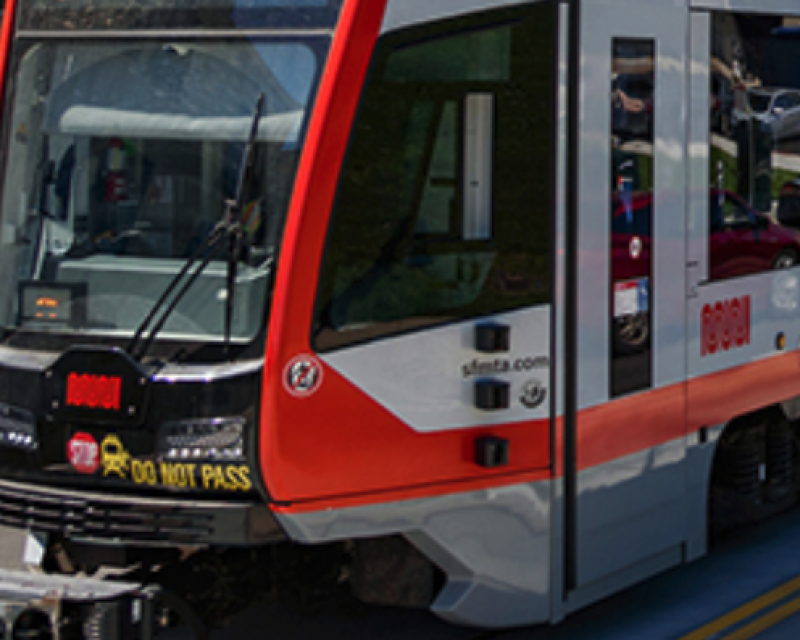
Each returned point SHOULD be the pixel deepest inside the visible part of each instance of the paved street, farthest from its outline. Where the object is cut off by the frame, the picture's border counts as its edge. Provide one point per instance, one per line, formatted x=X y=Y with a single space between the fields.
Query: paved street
x=667 y=607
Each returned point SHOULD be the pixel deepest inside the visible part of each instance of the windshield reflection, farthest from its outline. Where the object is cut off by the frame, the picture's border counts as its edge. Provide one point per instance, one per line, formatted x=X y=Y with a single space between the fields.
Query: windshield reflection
x=121 y=158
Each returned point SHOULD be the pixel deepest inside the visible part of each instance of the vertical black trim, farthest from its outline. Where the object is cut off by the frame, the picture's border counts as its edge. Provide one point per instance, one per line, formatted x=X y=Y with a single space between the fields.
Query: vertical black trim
x=570 y=377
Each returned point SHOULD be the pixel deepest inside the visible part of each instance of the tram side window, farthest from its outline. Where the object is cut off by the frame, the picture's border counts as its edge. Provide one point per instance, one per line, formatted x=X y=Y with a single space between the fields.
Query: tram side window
x=754 y=181
x=633 y=91
x=443 y=210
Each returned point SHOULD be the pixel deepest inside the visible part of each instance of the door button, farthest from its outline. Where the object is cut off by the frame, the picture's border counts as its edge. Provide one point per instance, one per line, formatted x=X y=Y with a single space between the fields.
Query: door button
x=492 y=338
x=492 y=395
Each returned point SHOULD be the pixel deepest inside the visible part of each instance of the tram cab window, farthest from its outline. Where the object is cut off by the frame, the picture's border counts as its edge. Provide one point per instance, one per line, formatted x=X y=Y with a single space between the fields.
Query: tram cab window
x=754 y=213
x=443 y=210
x=108 y=192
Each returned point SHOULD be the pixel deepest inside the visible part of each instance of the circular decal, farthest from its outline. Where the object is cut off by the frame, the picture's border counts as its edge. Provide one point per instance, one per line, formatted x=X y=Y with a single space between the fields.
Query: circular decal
x=636 y=247
x=83 y=453
x=302 y=376
x=533 y=394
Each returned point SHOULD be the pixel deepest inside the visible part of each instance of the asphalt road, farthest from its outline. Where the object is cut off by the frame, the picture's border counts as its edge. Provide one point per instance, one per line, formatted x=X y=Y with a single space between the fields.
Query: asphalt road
x=667 y=607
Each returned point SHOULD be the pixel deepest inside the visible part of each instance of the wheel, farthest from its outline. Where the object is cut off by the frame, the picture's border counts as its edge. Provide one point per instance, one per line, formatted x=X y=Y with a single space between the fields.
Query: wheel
x=755 y=471
x=785 y=259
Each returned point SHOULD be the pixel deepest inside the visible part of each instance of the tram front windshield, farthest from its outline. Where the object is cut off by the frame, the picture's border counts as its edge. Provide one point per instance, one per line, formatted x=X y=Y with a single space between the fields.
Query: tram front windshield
x=122 y=150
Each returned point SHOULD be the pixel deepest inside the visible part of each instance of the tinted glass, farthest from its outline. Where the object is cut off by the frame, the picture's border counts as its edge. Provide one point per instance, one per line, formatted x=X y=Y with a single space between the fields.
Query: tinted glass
x=444 y=206
x=754 y=209
x=120 y=158
x=633 y=92
x=760 y=102
x=74 y=15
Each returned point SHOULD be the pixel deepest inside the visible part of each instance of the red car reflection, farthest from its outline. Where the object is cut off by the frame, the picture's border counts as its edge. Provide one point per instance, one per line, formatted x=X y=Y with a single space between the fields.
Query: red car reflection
x=742 y=241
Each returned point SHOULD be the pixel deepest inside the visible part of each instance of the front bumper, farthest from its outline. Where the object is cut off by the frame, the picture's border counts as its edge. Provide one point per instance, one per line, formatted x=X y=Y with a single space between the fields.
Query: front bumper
x=136 y=520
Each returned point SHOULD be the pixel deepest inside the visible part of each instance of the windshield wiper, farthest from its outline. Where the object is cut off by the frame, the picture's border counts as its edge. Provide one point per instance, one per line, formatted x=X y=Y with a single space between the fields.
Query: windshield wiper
x=229 y=228
x=233 y=217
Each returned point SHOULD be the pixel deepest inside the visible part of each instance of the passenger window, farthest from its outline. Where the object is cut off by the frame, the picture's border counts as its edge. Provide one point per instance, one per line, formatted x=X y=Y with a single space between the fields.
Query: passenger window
x=444 y=205
x=632 y=124
x=754 y=181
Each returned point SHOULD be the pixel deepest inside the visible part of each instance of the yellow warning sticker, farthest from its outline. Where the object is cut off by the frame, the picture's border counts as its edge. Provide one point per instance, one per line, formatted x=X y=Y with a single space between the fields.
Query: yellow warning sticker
x=115 y=459
x=214 y=477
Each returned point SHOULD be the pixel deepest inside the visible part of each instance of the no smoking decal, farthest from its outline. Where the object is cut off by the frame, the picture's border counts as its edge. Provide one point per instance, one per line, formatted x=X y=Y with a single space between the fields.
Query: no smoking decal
x=302 y=376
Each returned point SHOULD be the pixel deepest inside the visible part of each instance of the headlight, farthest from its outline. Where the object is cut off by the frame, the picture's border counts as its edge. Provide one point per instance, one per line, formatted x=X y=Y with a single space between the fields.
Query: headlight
x=218 y=439
x=17 y=428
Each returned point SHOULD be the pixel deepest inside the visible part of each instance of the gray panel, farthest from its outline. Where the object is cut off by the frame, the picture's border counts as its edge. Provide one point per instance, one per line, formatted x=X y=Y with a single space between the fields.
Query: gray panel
x=697 y=174
x=560 y=248
x=622 y=579
x=405 y=13
x=699 y=458
x=593 y=233
x=629 y=509
x=631 y=512
x=559 y=319
x=493 y=545
x=669 y=357
x=665 y=21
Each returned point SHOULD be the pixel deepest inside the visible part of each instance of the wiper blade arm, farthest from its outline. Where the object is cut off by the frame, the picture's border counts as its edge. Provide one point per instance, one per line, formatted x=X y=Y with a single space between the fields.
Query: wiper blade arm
x=229 y=227
x=210 y=245
x=233 y=214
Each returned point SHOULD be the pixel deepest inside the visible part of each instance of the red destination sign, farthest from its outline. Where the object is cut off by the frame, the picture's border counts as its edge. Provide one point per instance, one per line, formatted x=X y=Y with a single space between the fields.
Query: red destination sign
x=725 y=326
x=94 y=391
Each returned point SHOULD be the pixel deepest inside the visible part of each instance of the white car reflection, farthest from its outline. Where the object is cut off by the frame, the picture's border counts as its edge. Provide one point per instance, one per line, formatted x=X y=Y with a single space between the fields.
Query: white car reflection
x=779 y=108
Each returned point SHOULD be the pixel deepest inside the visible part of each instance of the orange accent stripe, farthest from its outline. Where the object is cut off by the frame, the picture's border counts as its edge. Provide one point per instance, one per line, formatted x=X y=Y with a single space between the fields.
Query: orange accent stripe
x=631 y=424
x=718 y=397
x=387 y=468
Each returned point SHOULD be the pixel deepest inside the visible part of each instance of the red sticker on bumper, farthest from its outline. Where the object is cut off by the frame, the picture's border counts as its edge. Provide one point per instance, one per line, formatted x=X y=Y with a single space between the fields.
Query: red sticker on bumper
x=83 y=453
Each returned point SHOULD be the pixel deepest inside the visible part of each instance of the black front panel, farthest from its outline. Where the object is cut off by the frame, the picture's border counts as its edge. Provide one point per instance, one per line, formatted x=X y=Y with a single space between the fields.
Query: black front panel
x=94 y=386
x=189 y=435
x=144 y=520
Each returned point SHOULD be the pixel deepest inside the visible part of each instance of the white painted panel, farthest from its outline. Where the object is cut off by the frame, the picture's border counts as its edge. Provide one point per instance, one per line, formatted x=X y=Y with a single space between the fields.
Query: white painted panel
x=427 y=378
x=774 y=308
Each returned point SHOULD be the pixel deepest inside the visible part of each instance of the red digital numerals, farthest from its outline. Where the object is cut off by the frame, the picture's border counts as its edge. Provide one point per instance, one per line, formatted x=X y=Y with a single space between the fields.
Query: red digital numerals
x=93 y=391
x=725 y=326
